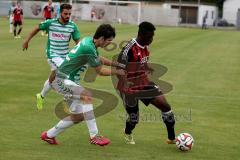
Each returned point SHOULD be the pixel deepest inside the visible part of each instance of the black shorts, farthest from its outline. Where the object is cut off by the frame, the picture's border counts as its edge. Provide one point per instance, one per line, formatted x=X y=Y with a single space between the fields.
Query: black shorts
x=17 y=23
x=146 y=95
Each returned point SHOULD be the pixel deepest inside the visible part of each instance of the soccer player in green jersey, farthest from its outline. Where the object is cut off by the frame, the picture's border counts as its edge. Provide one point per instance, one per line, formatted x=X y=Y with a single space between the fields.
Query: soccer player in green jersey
x=78 y=98
x=60 y=31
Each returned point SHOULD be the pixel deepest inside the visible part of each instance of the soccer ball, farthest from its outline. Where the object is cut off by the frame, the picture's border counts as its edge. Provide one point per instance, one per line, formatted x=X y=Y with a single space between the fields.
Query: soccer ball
x=184 y=142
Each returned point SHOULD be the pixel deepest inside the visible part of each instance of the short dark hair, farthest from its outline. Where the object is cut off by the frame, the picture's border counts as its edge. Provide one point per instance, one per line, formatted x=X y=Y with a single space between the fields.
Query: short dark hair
x=145 y=27
x=65 y=6
x=105 y=31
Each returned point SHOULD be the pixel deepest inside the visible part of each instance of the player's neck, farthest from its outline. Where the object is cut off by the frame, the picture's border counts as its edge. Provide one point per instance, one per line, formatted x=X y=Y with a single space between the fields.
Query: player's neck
x=96 y=43
x=62 y=21
x=140 y=42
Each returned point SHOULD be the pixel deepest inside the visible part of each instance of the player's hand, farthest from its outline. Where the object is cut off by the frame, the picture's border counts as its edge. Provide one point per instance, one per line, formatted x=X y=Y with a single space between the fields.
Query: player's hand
x=121 y=72
x=119 y=65
x=25 y=45
x=150 y=70
x=128 y=84
x=86 y=97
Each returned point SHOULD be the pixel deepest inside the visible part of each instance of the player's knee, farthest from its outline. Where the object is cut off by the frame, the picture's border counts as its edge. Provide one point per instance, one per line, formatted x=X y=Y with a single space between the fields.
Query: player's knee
x=166 y=107
x=77 y=118
x=163 y=104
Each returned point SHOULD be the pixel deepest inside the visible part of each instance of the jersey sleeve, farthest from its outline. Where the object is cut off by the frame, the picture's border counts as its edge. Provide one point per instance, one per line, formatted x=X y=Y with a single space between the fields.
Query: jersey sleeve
x=76 y=33
x=45 y=25
x=93 y=59
x=44 y=8
x=125 y=57
x=14 y=10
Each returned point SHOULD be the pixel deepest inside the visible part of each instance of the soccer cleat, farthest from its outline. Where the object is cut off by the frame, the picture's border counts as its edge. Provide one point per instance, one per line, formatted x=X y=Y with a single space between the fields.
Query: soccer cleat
x=99 y=140
x=15 y=37
x=18 y=36
x=129 y=139
x=40 y=101
x=45 y=138
x=171 y=141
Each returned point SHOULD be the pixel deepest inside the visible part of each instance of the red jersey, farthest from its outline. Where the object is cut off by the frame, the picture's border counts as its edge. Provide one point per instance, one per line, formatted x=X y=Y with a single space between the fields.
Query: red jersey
x=48 y=11
x=134 y=58
x=17 y=14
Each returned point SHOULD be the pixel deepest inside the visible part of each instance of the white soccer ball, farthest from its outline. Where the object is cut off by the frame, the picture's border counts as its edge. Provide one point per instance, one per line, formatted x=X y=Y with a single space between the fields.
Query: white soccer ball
x=184 y=142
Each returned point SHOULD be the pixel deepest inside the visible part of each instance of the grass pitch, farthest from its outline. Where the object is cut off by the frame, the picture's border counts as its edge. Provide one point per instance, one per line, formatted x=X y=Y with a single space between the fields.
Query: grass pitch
x=203 y=67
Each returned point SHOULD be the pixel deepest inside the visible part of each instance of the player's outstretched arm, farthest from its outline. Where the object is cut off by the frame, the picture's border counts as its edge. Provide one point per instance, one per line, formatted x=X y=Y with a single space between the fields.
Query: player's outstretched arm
x=31 y=35
x=77 y=41
x=108 y=62
x=149 y=69
x=108 y=72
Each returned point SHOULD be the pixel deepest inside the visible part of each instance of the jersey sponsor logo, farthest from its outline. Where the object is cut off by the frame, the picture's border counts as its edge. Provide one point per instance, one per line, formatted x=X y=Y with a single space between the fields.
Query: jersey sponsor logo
x=59 y=36
x=144 y=59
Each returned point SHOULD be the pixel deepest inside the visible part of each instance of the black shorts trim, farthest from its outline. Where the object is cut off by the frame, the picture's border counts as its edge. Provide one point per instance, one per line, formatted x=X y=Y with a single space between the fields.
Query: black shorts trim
x=146 y=95
x=17 y=23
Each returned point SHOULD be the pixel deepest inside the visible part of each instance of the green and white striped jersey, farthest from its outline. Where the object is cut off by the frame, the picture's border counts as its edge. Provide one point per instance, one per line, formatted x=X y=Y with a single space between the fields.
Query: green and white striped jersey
x=59 y=36
x=82 y=55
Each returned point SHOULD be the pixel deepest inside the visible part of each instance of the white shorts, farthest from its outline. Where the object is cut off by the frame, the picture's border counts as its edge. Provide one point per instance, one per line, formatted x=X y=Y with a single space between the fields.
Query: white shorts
x=71 y=92
x=55 y=62
x=11 y=19
x=75 y=106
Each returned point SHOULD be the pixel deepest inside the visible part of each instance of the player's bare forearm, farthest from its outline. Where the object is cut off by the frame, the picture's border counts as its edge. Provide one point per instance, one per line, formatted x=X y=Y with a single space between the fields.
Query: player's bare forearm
x=52 y=76
x=108 y=72
x=22 y=18
x=77 y=41
x=108 y=62
x=31 y=35
x=149 y=69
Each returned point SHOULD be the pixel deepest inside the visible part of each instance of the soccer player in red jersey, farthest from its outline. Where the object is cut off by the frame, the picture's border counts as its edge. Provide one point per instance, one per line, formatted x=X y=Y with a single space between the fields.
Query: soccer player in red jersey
x=137 y=86
x=48 y=12
x=17 y=20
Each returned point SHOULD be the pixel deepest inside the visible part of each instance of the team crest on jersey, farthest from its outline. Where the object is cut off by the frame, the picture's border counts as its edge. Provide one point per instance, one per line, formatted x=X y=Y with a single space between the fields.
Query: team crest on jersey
x=144 y=59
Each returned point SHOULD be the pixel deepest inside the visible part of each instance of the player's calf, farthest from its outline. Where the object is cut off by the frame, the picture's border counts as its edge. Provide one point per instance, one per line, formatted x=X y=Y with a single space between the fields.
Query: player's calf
x=169 y=120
